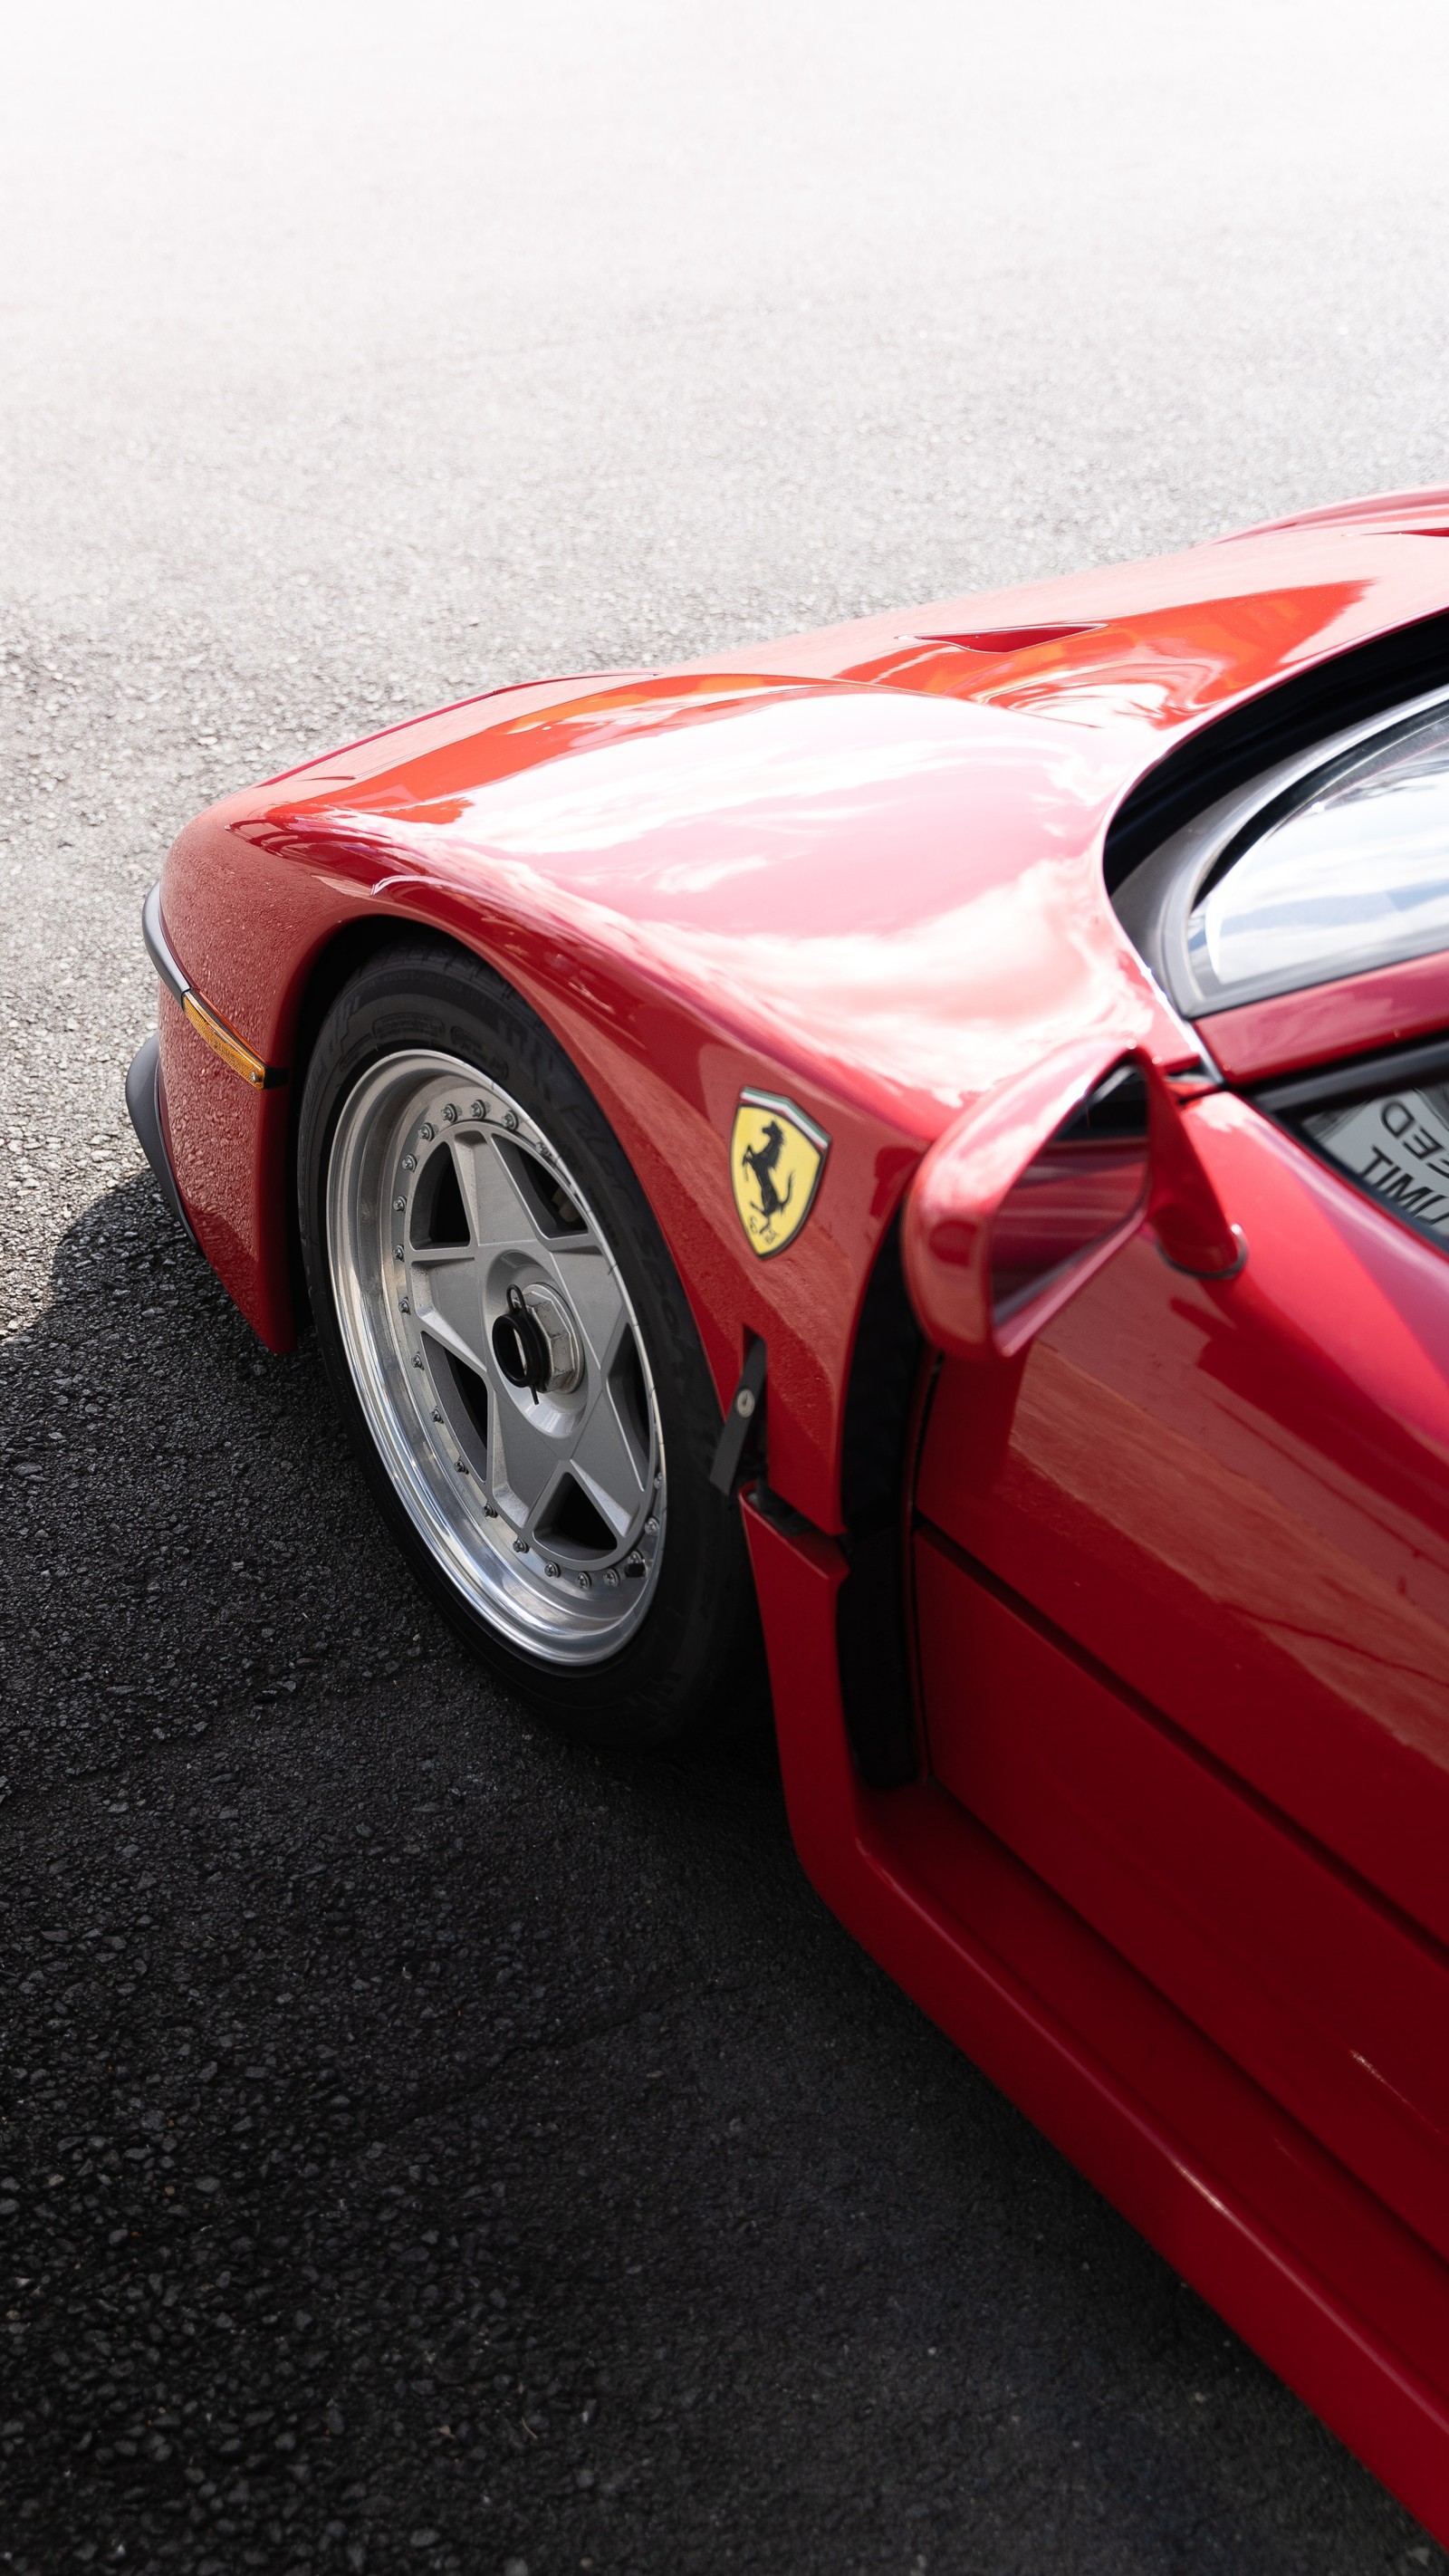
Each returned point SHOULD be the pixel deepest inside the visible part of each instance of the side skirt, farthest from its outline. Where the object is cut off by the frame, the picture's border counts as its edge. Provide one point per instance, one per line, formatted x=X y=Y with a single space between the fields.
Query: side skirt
x=1342 y=2300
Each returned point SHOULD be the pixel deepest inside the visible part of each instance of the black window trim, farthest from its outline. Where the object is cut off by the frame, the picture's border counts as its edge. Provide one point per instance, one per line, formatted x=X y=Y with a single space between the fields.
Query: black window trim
x=1292 y=714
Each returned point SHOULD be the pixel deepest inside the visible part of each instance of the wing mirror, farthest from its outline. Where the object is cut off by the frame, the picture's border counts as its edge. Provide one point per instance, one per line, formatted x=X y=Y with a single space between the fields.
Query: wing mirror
x=1020 y=1203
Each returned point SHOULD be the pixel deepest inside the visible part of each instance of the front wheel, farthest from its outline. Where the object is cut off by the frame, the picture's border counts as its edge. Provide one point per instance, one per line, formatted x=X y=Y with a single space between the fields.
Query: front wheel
x=513 y=1354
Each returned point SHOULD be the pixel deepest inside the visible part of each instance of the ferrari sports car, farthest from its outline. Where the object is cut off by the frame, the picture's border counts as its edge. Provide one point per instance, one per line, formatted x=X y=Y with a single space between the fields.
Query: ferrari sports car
x=916 y=1159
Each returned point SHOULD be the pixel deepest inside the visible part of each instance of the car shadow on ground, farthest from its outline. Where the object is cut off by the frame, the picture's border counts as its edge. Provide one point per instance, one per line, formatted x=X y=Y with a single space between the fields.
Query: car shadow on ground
x=428 y=2143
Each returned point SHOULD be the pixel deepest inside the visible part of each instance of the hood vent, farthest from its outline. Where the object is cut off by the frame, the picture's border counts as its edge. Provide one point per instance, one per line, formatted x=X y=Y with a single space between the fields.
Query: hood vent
x=1008 y=639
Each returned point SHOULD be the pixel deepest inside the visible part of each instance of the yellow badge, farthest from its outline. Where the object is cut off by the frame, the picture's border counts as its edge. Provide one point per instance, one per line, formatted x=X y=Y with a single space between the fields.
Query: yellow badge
x=777 y=1155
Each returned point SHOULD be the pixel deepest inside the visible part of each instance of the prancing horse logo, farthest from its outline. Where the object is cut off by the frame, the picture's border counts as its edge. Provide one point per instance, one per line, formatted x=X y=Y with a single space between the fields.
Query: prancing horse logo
x=776 y=1157
x=762 y=1159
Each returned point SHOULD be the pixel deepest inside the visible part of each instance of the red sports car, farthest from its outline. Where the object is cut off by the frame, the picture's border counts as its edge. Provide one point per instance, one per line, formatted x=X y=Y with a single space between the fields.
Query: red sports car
x=929 y=1143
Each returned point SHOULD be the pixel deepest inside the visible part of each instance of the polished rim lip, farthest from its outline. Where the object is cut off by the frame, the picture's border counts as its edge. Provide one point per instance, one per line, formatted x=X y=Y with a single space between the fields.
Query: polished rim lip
x=528 y=1612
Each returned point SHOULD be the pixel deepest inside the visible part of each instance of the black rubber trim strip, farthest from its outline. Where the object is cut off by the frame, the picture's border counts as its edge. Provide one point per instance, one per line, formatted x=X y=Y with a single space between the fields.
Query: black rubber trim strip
x=158 y=949
x=1366 y=1075
x=144 y=1108
x=742 y=1423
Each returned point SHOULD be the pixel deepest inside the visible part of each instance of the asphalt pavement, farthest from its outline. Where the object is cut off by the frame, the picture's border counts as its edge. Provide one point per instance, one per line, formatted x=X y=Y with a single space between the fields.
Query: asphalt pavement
x=424 y=2146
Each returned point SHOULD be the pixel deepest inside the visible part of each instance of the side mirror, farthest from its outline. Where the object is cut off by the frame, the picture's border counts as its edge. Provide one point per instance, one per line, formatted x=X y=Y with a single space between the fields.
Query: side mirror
x=1020 y=1203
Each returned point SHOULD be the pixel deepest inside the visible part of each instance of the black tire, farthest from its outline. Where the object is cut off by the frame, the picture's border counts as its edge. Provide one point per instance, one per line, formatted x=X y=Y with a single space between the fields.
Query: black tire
x=692 y=1672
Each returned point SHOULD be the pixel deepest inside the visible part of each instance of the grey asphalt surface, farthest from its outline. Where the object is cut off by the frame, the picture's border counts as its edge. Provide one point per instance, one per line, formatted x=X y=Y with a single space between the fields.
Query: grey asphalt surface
x=423 y=2145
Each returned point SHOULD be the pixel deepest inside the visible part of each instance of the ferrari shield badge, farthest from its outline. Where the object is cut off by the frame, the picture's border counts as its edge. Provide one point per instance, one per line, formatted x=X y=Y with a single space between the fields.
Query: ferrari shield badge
x=777 y=1155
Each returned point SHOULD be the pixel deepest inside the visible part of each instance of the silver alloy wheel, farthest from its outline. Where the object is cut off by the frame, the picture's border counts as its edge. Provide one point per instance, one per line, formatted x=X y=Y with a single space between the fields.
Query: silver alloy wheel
x=496 y=1356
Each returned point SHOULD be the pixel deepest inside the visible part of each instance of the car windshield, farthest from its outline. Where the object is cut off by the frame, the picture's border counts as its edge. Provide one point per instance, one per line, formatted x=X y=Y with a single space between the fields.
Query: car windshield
x=1353 y=874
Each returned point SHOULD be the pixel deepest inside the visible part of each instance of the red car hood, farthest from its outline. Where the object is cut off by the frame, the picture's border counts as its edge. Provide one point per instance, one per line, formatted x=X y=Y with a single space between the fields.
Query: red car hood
x=874 y=851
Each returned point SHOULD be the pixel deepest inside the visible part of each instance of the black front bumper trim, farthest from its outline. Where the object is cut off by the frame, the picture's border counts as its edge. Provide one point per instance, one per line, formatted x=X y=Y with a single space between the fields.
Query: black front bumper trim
x=144 y=1107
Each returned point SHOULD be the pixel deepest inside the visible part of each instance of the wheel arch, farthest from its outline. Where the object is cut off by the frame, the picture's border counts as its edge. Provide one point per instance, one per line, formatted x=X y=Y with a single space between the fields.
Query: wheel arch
x=338 y=957
x=276 y=922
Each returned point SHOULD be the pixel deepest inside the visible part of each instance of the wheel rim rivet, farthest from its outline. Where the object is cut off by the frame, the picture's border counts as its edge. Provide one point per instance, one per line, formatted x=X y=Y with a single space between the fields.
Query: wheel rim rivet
x=427 y=1131
x=520 y=1547
x=451 y=1115
x=550 y=1568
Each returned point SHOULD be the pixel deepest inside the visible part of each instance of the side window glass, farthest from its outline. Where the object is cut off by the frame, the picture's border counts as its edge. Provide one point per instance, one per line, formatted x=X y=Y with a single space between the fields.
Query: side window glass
x=1397 y=1146
x=1349 y=870
x=1330 y=862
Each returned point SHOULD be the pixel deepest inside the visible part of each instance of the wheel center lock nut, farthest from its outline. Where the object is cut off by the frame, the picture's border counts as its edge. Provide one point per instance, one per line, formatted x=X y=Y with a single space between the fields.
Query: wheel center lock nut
x=535 y=1344
x=521 y=1347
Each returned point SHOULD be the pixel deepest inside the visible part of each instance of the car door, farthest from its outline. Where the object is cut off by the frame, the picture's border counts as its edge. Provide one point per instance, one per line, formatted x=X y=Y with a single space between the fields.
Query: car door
x=1182 y=1565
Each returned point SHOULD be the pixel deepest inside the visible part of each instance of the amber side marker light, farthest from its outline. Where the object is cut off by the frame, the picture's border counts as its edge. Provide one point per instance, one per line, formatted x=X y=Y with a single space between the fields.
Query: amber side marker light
x=208 y=1024
x=225 y=1043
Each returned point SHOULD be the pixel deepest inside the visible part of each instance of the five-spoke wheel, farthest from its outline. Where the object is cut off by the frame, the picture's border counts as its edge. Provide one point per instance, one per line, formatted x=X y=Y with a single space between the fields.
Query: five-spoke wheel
x=509 y=1342
x=496 y=1355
